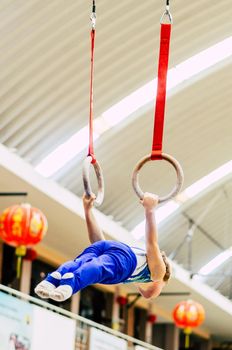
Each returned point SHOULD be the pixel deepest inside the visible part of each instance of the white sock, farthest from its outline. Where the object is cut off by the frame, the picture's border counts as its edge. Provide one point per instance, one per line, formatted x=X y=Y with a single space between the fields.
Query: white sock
x=61 y=293
x=56 y=275
x=44 y=288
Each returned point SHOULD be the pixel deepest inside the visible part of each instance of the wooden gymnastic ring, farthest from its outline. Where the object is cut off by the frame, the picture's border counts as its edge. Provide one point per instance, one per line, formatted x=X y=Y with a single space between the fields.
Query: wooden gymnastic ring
x=86 y=181
x=179 y=172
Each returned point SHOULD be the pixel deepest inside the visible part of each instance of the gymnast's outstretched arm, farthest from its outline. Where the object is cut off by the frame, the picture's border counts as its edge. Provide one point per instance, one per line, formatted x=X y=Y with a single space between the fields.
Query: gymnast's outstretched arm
x=94 y=231
x=154 y=257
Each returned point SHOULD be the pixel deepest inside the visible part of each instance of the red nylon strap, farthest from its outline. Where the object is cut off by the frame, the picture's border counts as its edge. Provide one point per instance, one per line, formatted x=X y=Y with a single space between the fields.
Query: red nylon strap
x=91 y=149
x=157 y=145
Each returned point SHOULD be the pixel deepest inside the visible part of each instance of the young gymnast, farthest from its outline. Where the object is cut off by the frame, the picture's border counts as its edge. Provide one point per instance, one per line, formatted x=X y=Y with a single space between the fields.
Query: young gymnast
x=111 y=262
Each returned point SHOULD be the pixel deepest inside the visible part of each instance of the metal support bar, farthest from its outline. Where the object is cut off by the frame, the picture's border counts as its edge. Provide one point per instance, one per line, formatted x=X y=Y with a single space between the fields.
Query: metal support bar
x=193 y=225
x=211 y=275
x=176 y=251
x=188 y=238
x=219 y=282
x=190 y=247
x=93 y=16
x=230 y=286
x=173 y=294
x=137 y=297
x=12 y=194
x=205 y=233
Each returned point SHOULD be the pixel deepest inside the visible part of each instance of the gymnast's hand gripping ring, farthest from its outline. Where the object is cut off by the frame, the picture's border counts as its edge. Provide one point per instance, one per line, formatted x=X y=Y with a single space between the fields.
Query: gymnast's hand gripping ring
x=179 y=173
x=86 y=181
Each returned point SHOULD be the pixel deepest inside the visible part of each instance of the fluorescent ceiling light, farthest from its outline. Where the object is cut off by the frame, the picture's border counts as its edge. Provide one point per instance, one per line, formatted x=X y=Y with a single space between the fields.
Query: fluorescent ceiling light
x=177 y=75
x=216 y=262
x=200 y=62
x=64 y=153
x=208 y=180
x=132 y=103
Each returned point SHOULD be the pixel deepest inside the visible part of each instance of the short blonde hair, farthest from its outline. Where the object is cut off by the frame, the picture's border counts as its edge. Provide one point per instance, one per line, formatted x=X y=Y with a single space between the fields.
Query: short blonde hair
x=168 y=272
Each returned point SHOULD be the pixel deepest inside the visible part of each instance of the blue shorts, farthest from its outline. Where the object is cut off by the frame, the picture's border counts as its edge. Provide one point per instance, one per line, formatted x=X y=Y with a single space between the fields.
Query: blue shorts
x=105 y=262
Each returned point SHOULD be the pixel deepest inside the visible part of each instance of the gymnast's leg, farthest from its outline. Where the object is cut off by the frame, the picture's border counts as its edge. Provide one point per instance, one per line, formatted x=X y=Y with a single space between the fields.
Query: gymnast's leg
x=107 y=262
x=52 y=281
x=96 y=270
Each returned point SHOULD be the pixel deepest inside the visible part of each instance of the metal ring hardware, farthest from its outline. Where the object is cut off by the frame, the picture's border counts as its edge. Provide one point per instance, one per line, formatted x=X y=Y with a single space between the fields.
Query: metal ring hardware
x=179 y=173
x=86 y=181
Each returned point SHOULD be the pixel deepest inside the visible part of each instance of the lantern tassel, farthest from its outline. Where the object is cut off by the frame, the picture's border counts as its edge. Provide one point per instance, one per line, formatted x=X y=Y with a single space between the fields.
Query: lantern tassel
x=19 y=265
x=187 y=332
x=186 y=341
x=20 y=252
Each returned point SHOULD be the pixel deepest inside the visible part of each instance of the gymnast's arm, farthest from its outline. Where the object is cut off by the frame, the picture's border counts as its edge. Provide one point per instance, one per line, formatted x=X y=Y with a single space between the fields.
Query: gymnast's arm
x=94 y=231
x=150 y=289
x=154 y=258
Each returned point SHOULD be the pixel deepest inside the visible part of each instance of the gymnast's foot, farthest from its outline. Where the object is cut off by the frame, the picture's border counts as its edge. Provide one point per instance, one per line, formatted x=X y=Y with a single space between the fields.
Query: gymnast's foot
x=61 y=293
x=45 y=287
x=64 y=290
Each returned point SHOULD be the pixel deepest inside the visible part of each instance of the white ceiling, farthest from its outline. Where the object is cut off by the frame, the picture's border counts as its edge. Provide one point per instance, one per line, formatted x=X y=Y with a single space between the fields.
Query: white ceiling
x=44 y=99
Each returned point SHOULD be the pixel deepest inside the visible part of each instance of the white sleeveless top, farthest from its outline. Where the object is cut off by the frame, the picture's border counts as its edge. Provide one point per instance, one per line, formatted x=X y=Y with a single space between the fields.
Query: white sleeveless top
x=141 y=274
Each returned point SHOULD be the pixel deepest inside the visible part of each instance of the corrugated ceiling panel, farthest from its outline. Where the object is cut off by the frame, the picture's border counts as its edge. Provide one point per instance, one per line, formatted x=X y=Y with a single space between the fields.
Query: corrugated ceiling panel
x=191 y=135
x=49 y=78
x=212 y=214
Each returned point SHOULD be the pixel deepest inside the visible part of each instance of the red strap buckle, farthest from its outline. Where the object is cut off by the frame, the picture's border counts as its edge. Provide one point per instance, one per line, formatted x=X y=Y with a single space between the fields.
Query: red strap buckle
x=156 y=155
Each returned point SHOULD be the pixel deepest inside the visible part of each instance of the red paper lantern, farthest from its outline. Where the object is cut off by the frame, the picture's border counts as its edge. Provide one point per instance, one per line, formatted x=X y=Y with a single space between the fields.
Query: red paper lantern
x=31 y=254
x=188 y=314
x=22 y=226
x=121 y=300
x=152 y=318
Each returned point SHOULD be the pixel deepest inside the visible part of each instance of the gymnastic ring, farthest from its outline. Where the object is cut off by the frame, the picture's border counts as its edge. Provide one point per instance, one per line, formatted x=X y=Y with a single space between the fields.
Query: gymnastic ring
x=179 y=172
x=86 y=181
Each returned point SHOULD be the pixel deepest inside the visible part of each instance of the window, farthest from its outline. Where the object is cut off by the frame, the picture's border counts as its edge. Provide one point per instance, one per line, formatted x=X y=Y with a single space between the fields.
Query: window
x=96 y=305
x=9 y=263
x=140 y=318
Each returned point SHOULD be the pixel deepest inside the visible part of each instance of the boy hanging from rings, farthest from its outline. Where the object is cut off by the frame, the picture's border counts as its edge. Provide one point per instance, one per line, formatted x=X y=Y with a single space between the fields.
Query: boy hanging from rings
x=111 y=262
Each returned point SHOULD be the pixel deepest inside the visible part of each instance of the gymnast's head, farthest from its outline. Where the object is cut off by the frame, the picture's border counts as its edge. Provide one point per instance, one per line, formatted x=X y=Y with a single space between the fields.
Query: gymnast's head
x=161 y=284
x=168 y=267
